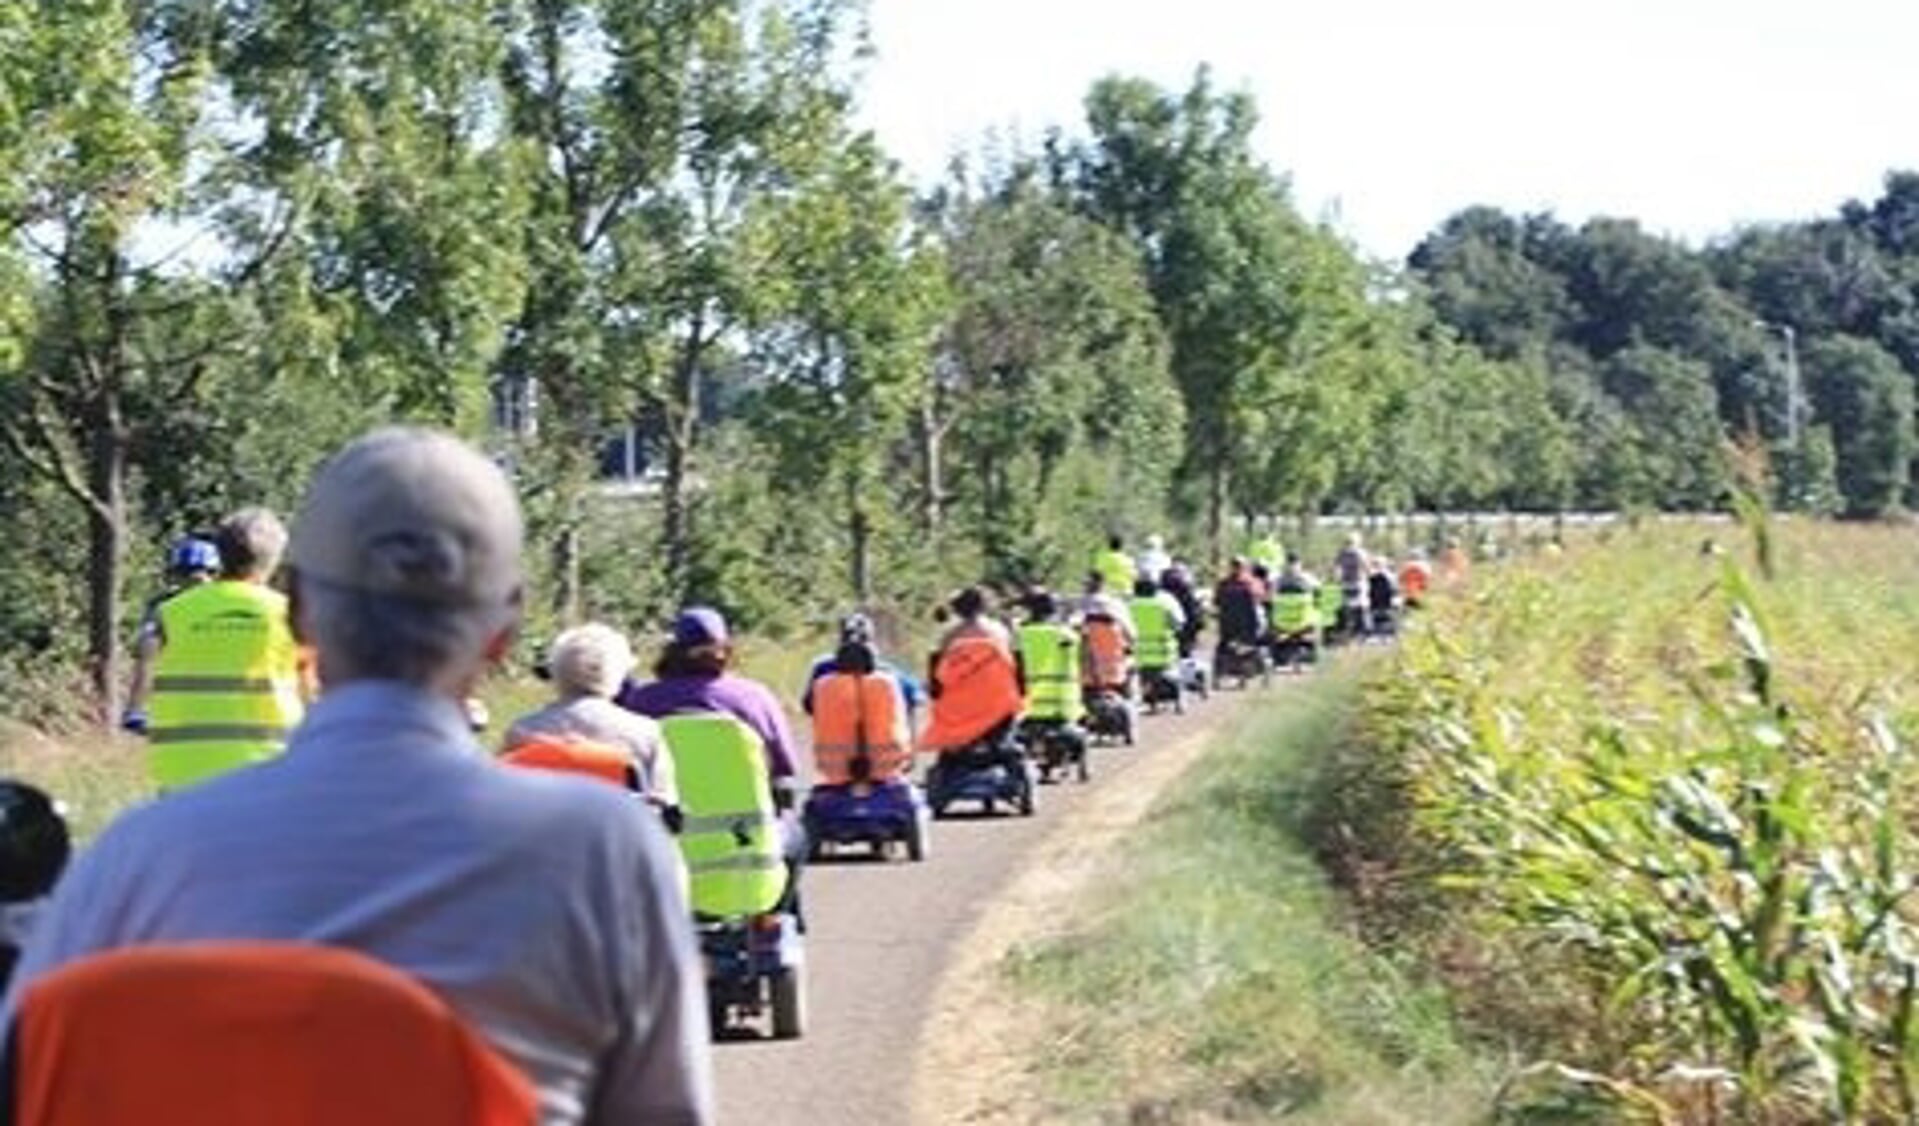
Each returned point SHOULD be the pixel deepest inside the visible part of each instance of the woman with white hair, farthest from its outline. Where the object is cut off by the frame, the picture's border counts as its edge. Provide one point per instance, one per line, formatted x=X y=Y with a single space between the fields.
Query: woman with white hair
x=1154 y=562
x=588 y=664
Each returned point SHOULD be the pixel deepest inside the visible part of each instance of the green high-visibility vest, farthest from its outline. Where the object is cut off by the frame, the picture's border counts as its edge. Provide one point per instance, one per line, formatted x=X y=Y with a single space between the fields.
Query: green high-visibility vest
x=1050 y=653
x=1155 y=641
x=226 y=686
x=1117 y=570
x=1332 y=598
x=1293 y=611
x=730 y=832
x=1268 y=553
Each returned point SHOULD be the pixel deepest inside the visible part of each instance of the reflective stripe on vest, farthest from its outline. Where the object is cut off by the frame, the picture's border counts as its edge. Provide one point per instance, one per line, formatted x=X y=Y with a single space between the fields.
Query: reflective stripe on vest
x=226 y=689
x=1051 y=655
x=1155 y=643
x=218 y=733
x=857 y=714
x=730 y=836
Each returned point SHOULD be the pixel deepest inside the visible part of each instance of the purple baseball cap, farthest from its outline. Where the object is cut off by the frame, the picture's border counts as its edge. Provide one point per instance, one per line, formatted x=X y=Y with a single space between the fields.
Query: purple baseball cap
x=699 y=625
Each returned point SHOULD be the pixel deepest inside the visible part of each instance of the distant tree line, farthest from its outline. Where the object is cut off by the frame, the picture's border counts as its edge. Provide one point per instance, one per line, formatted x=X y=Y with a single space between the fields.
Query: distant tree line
x=1655 y=351
x=235 y=232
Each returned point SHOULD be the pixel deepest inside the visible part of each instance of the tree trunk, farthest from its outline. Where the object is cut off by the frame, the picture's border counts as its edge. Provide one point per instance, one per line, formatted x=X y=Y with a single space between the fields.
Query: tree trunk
x=1216 y=512
x=673 y=531
x=933 y=469
x=682 y=427
x=106 y=554
x=860 y=530
x=566 y=572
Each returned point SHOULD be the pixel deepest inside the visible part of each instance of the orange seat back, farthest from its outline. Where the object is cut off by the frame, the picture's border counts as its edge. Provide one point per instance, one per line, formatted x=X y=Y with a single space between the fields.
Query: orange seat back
x=855 y=714
x=978 y=690
x=1106 y=662
x=235 y=1034
x=576 y=756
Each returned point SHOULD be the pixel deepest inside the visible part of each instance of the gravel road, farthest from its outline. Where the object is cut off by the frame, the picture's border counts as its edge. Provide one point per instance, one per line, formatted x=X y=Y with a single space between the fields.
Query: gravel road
x=880 y=935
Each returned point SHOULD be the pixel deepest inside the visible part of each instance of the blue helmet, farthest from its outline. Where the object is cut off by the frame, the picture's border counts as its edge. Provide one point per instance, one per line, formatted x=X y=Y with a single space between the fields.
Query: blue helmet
x=193 y=554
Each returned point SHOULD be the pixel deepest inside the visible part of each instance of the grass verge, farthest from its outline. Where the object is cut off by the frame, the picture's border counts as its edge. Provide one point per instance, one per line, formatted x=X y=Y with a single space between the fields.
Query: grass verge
x=1210 y=976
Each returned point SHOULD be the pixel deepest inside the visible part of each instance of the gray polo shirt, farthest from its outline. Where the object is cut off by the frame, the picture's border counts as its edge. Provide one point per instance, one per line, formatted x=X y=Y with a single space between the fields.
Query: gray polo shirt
x=546 y=909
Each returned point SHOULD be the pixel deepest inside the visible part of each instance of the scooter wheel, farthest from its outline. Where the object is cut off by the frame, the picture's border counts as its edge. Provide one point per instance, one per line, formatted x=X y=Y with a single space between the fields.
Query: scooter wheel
x=916 y=840
x=788 y=987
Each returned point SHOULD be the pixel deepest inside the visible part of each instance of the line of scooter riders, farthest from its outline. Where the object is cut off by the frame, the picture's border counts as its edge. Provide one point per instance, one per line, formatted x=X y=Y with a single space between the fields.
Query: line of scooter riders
x=1013 y=706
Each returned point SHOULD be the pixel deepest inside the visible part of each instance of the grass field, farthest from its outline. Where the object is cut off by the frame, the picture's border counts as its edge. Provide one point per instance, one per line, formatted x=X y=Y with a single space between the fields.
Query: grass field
x=1211 y=976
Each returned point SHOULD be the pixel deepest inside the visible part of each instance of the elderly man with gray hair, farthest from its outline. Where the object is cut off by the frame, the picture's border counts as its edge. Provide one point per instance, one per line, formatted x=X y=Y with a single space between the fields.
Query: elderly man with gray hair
x=588 y=664
x=546 y=913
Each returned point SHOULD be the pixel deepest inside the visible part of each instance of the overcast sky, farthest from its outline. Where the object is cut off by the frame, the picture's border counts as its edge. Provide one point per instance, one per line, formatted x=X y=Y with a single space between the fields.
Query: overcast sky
x=1691 y=115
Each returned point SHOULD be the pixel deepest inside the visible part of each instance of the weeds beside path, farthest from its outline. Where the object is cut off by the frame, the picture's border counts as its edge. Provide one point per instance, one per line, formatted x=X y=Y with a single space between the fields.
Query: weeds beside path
x=1173 y=954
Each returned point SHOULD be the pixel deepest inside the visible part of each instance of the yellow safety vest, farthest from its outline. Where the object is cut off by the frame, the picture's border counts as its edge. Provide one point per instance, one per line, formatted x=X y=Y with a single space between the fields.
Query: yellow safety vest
x=730 y=832
x=1051 y=655
x=1268 y=553
x=226 y=687
x=1294 y=612
x=1155 y=644
x=1116 y=568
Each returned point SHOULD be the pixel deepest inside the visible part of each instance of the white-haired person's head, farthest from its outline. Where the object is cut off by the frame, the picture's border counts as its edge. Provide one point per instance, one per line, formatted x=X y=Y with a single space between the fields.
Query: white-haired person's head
x=590 y=660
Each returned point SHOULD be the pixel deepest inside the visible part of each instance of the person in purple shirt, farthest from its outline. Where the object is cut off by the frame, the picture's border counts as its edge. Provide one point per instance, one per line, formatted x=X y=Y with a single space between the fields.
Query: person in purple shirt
x=693 y=676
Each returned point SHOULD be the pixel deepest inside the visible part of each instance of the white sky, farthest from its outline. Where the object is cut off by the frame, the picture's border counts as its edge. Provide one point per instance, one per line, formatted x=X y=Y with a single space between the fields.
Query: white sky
x=1690 y=115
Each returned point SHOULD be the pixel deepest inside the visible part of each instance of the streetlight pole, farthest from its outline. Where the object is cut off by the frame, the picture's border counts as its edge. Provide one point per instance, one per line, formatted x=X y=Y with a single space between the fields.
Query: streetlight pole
x=1791 y=337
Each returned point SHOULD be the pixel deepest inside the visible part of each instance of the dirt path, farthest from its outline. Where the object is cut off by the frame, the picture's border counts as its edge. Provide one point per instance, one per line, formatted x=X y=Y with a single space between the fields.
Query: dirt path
x=894 y=946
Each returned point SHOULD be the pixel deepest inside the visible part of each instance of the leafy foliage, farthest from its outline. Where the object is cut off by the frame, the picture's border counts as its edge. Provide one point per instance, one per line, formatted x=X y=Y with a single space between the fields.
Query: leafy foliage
x=1681 y=806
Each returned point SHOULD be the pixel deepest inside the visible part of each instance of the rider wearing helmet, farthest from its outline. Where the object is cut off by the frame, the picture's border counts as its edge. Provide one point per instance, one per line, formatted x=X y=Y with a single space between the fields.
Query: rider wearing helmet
x=191 y=561
x=1154 y=561
x=857 y=629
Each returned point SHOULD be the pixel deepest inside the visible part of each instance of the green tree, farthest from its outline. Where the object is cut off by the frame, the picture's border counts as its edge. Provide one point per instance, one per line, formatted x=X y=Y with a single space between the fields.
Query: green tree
x=1858 y=389
x=1674 y=412
x=1051 y=385
x=659 y=134
x=110 y=157
x=1484 y=276
x=1177 y=175
x=846 y=354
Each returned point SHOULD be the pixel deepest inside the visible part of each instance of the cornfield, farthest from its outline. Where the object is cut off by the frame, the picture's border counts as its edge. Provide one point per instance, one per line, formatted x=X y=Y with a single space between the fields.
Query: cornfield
x=1664 y=787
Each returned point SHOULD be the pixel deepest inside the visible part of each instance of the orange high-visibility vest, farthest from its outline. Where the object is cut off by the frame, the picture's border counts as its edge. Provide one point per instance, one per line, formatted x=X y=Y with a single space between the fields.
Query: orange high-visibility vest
x=978 y=690
x=1414 y=578
x=232 y=1033
x=1106 y=664
x=859 y=716
x=576 y=756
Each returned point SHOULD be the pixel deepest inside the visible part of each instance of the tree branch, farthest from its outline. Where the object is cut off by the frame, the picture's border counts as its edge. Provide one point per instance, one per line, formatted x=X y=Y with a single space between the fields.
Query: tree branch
x=50 y=461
